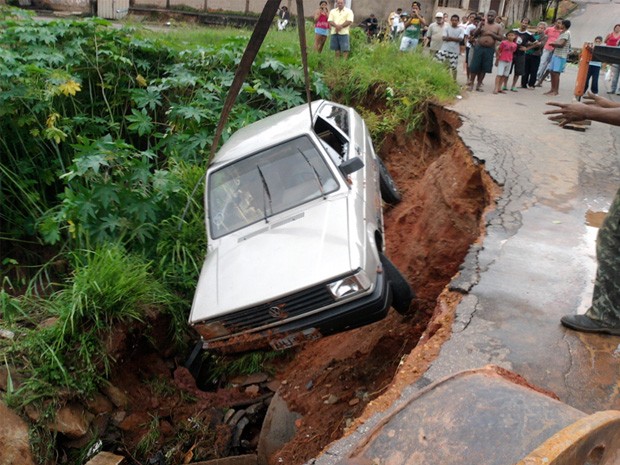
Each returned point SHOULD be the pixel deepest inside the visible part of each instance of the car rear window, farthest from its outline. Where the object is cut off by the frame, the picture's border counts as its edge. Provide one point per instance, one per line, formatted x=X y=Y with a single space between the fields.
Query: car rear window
x=266 y=183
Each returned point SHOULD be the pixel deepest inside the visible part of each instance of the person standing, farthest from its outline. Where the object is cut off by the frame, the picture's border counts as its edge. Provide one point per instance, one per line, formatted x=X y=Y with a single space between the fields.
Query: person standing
x=594 y=70
x=434 y=35
x=394 y=22
x=321 y=26
x=603 y=316
x=452 y=38
x=504 y=60
x=532 y=57
x=523 y=39
x=561 y=48
x=552 y=34
x=340 y=18
x=613 y=40
x=486 y=35
x=413 y=28
x=468 y=42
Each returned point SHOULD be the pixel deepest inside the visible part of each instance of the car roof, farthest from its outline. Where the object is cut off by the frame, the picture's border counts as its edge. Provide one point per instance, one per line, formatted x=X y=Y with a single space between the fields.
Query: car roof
x=264 y=133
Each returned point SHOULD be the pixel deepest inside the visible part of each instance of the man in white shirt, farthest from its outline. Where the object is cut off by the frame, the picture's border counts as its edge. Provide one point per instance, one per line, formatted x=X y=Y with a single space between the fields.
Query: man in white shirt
x=434 y=34
x=340 y=18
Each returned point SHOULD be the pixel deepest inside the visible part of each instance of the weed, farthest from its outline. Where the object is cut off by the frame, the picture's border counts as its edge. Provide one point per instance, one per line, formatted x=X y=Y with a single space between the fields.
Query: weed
x=252 y=362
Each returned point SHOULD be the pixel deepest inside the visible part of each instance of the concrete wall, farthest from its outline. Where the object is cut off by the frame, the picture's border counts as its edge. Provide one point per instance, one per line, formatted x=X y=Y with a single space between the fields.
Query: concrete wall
x=361 y=8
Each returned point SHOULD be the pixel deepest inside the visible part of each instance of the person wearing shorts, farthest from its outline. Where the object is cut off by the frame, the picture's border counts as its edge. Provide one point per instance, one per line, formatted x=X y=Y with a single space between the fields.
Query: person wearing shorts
x=481 y=62
x=505 y=55
x=340 y=18
x=561 y=47
x=452 y=37
x=321 y=26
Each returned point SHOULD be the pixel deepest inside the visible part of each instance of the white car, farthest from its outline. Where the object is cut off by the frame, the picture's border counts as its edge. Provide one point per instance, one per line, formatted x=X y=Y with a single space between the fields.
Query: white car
x=295 y=233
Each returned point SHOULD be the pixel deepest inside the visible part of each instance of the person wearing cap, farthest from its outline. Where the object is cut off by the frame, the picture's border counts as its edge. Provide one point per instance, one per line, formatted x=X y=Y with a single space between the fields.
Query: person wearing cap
x=434 y=35
x=413 y=28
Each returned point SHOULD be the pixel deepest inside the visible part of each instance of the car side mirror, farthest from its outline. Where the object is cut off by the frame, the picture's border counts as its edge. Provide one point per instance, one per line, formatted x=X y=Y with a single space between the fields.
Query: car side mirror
x=351 y=166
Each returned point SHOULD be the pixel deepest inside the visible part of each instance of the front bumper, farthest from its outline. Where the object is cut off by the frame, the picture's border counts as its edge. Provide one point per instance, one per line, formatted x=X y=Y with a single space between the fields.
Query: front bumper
x=349 y=315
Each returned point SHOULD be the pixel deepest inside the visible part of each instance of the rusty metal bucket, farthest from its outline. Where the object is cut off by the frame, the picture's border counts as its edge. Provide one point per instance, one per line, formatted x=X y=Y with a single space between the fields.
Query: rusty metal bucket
x=489 y=416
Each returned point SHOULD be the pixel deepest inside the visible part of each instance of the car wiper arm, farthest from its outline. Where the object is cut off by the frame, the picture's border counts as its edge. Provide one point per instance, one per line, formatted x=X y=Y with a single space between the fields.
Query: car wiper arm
x=317 y=176
x=265 y=193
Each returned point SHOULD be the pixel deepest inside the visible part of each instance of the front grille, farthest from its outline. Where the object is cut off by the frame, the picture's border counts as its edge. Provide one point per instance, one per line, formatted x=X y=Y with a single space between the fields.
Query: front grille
x=289 y=307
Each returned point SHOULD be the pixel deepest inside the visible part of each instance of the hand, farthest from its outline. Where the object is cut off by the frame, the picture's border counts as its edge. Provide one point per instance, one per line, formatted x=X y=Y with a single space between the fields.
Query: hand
x=568 y=112
x=602 y=102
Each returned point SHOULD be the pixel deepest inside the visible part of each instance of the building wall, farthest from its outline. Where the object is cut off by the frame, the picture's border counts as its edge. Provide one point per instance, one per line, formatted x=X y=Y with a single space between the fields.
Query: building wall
x=361 y=8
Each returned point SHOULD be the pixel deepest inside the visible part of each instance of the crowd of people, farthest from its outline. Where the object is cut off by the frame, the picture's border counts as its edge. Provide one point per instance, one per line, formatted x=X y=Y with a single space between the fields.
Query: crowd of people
x=524 y=57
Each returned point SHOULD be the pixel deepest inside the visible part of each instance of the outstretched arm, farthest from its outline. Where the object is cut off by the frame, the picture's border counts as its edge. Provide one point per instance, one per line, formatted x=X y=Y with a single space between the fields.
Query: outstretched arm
x=568 y=112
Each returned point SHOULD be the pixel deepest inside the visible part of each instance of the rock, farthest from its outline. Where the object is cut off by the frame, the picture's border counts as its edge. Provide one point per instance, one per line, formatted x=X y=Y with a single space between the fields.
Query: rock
x=236 y=417
x=6 y=334
x=14 y=443
x=48 y=322
x=254 y=378
x=72 y=420
x=119 y=416
x=105 y=458
x=332 y=399
x=252 y=390
x=118 y=397
x=134 y=421
x=273 y=385
x=99 y=404
x=278 y=429
x=228 y=415
x=236 y=460
x=354 y=401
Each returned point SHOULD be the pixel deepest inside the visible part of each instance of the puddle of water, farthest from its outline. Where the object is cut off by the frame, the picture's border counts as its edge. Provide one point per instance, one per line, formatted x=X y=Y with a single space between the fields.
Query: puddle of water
x=595 y=219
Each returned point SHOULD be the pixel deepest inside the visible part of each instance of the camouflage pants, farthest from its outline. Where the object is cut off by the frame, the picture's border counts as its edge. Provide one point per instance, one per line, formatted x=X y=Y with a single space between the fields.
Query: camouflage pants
x=606 y=298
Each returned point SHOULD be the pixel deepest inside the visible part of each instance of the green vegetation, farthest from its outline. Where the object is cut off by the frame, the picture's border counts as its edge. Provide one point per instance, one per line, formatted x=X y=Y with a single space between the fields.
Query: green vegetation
x=104 y=139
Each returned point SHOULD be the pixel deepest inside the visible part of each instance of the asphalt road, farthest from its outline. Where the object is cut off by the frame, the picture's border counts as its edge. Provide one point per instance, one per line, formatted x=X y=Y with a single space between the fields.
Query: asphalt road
x=593 y=18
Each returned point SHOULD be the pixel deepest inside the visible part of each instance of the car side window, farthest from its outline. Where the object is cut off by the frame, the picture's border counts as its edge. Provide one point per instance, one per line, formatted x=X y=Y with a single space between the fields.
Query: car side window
x=334 y=141
x=336 y=116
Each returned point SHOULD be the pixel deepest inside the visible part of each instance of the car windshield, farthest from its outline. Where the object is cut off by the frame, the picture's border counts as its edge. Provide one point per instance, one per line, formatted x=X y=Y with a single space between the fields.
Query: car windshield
x=265 y=184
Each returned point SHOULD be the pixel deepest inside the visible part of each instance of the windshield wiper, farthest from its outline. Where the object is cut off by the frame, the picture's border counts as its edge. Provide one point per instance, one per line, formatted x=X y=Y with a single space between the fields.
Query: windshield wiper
x=265 y=192
x=317 y=176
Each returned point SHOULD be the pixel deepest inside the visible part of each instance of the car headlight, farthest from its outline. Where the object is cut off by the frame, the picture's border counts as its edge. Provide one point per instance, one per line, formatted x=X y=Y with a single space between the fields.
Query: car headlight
x=211 y=330
x=349 y=286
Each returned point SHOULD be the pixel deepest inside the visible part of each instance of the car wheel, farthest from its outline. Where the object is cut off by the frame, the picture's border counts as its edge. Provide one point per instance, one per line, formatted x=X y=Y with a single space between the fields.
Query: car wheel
x=389 y=191
x=402 y=294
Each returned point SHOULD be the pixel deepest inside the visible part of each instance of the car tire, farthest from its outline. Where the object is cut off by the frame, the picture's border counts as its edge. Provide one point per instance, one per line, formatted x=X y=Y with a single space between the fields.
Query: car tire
x=402 y=294
x=389 y=190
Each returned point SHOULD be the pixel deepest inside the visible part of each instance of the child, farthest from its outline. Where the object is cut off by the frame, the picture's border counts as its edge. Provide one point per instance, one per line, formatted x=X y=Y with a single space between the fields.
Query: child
x=503 y=61
x=593 y=71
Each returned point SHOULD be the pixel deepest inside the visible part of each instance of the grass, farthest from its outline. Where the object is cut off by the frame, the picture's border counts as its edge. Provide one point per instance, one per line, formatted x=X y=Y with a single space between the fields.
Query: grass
x=390 y=88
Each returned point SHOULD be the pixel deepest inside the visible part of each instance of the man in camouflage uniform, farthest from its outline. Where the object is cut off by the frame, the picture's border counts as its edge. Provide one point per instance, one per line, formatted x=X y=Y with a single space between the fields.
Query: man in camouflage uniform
x=604 y=314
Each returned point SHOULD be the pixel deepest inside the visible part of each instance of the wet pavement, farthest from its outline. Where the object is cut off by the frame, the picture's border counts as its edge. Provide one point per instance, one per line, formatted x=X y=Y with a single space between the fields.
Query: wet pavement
x=537 y=261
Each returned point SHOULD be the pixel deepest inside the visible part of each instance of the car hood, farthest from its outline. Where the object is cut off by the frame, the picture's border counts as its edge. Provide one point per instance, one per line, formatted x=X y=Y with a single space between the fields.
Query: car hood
x=293 y=251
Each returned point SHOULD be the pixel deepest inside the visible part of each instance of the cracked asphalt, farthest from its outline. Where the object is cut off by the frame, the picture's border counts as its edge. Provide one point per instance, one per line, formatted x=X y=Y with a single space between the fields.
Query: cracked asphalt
x=536 y=263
